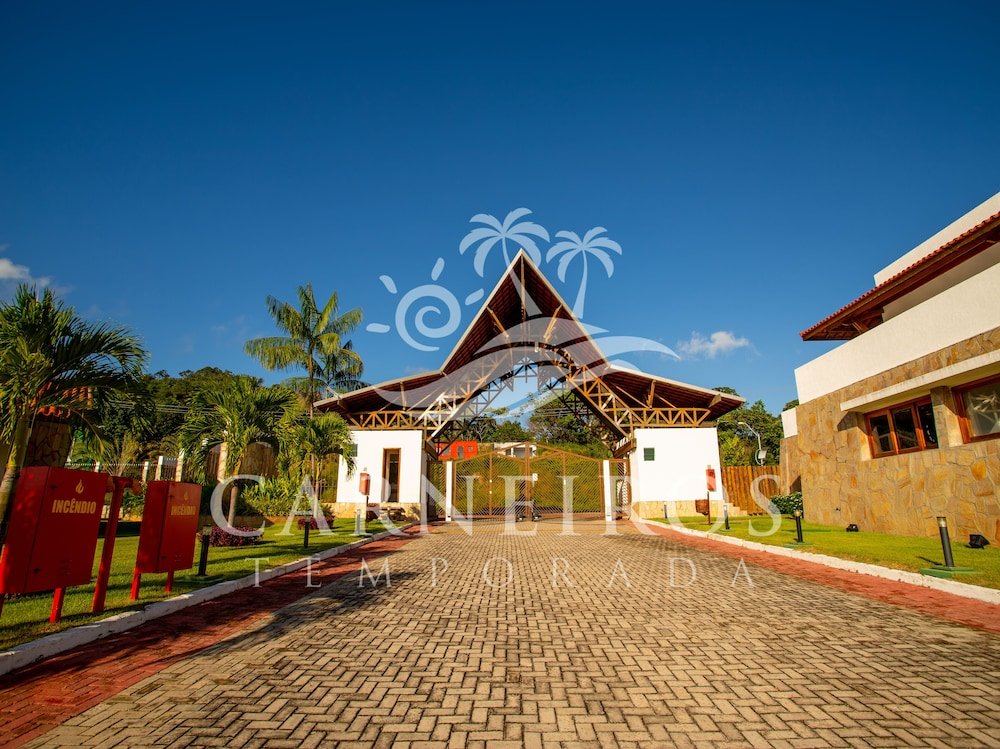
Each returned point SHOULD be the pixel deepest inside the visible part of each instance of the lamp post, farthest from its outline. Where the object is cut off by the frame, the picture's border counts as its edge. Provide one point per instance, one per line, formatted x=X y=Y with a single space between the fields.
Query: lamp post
x=761 y=452
x=949 y=559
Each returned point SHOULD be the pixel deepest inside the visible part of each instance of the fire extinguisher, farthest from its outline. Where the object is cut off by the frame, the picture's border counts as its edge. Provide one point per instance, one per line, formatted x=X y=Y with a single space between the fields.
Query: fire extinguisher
x=710 y=478
x=364 y=484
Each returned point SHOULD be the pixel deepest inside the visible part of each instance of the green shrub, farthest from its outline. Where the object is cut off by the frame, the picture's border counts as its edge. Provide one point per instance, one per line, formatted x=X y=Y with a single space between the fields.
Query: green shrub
x=787 y=504
x=133 y=504
x=274 y=497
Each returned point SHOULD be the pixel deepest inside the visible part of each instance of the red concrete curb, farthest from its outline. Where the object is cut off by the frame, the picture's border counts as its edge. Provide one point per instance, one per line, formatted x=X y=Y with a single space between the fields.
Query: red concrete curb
x=965 y=611
x=39 y=697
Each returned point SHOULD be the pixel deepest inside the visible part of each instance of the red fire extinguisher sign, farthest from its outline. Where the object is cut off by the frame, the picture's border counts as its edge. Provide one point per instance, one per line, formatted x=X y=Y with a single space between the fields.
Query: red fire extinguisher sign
x=710 y=478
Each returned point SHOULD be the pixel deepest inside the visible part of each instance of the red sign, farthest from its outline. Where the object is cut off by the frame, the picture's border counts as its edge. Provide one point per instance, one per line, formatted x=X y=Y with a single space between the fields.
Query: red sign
x=53 y=529
x=710 y=478
x=364 y=483
x=169 y=526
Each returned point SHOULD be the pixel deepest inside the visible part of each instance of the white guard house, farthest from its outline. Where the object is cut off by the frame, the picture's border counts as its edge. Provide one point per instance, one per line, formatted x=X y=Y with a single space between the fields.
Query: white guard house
x=415 y=436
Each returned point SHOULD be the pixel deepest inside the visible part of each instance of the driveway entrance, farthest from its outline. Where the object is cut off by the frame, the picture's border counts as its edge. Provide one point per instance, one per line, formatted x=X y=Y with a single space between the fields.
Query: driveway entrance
x=552 y=640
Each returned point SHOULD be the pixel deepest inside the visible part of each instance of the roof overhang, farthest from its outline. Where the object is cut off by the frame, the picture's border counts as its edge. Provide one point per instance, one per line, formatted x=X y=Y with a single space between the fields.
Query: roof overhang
x=867 y=310
x=524 y=319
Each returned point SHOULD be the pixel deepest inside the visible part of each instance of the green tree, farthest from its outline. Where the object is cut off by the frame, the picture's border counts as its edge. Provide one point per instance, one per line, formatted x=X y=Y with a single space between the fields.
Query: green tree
x=737 y=444
x=506 y=431
x=557 y=420
x=313 y=339
x=306 y=443
x=233 y=418
x=50 y=357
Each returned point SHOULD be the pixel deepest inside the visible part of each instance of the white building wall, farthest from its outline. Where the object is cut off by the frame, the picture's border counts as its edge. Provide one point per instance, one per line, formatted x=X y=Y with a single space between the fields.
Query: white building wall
x=677 y=472
x=789 y=423
x=966 y=309
x=371 y=445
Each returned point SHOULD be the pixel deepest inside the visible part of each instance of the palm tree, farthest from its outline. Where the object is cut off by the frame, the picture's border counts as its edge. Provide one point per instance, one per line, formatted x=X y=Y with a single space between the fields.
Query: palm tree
x=312 y=337
x=234 y=417
x=308 y=442
x=521 y=234
x=592 y=245
x=51 y=358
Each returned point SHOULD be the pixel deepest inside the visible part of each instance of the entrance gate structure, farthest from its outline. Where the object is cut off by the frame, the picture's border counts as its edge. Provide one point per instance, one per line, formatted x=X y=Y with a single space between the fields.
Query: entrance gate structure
x=660 y=432
x=528 y=479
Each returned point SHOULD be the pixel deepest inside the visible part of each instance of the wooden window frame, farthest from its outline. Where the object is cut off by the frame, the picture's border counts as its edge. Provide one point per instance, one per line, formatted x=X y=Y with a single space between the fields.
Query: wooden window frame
x=958 y=393
x=887 y=412
x=399 y=471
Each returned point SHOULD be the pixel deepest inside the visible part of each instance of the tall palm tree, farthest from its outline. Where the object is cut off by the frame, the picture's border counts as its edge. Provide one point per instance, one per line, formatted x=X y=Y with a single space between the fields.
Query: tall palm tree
x=592 y=245
x=311 y=336
x=234 y=417
x=51 y=358
x=521 y=234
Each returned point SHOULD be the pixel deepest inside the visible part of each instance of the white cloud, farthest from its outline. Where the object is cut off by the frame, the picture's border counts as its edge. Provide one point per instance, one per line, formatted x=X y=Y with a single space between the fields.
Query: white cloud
x=719 y=342
x=14 y=273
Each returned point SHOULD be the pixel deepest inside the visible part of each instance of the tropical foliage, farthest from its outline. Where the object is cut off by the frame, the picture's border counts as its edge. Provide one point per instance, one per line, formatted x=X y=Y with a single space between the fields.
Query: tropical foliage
x=233 y=418
x=52 y=359
x=737 y=444
x=314 y=340
x=307 y=443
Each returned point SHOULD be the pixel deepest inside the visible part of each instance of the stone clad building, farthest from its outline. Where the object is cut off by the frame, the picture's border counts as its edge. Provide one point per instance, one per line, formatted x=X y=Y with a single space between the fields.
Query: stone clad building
x=900 y=423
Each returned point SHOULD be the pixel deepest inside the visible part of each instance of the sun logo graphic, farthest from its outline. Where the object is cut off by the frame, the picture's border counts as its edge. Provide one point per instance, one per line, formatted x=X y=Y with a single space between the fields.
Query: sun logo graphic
x=432 y=310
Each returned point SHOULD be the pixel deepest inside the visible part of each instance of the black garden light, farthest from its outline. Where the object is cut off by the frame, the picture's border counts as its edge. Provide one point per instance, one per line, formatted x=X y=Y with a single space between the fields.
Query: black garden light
x=948 y=569
x=798 y=527
x=205 y=536
x=949 y=560
x=978 y=541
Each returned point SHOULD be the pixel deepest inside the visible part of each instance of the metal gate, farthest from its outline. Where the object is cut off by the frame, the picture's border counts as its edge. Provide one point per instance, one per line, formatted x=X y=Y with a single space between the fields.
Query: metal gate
x=527 y=478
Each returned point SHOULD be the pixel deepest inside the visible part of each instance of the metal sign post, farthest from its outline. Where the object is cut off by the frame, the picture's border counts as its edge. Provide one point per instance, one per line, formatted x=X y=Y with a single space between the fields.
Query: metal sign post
x=118 y=486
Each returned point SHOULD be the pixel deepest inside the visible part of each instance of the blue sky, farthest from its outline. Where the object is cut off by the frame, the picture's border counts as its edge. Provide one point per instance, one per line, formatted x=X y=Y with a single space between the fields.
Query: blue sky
x=167 y=165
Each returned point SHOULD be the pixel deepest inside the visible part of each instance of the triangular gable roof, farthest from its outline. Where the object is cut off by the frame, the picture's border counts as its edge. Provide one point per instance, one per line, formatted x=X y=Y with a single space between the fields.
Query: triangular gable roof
x=524 y=309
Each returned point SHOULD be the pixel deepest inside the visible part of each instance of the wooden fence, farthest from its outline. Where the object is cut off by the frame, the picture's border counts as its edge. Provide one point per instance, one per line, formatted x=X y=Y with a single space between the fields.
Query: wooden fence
x=738 y=481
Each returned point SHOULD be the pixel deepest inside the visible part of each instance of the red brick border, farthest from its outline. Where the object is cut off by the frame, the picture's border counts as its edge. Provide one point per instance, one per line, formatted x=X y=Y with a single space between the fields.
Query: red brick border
x=39 y=697
x=966 y=611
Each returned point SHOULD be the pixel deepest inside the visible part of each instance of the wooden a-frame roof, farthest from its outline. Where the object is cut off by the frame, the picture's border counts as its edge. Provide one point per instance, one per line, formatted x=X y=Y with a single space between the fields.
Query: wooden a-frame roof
x=524 y=319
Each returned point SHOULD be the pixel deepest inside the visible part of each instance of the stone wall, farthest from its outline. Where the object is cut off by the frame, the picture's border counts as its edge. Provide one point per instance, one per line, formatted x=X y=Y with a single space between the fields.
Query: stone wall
x=842 y=483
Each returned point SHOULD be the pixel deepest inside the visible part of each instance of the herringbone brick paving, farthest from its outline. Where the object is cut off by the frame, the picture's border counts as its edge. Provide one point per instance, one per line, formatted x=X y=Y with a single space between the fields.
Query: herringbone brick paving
x=609 y=655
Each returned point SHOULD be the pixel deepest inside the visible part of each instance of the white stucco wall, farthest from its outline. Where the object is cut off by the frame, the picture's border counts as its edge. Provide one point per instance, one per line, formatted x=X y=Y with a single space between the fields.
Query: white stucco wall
x=370 y=451
x=962 y=311
x=789 y=423
x=678 y=471
x=976 y=216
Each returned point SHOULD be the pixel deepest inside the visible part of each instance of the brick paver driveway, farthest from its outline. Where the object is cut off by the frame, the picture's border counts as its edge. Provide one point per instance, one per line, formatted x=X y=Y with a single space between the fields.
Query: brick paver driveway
x=620 y=658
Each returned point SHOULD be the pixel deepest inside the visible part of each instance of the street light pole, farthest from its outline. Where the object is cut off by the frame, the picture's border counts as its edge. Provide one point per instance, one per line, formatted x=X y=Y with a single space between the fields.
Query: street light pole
x=760 y=447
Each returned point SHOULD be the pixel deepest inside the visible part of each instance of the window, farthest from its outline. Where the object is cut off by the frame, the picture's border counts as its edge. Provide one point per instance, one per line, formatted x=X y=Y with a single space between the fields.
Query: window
x=904 y=428
x=979 y=409
x=649 y=453
x=352 y=450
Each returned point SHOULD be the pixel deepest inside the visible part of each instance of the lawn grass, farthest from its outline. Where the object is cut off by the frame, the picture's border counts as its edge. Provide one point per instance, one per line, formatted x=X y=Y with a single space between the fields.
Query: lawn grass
x=26 y=617
x=911 y=553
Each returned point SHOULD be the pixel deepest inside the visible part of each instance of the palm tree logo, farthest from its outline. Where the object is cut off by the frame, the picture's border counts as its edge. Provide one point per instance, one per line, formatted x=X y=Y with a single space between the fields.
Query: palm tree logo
x=572 y=246
x=522 y=234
